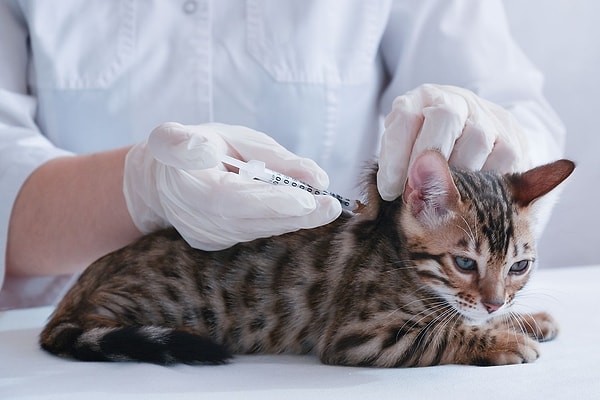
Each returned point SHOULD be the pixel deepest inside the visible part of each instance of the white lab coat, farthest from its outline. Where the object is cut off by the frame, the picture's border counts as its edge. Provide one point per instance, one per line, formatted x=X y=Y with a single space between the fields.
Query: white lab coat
x=317 y=75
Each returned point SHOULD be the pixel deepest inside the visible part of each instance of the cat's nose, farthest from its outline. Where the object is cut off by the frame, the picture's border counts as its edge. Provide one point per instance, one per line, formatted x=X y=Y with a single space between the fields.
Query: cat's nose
x=492 y=306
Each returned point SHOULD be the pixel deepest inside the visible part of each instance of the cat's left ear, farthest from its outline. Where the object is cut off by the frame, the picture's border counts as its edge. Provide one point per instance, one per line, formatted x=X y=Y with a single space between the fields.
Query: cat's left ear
x=430 y=192
x=533 y=184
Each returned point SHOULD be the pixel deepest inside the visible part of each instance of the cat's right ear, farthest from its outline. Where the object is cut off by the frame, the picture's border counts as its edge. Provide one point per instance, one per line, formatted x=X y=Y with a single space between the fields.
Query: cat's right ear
x=430 y=192
x=528 y=186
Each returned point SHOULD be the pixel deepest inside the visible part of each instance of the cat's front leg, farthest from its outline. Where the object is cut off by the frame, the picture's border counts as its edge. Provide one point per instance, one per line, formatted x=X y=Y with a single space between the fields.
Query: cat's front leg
x=480 y=345
x=400 y=346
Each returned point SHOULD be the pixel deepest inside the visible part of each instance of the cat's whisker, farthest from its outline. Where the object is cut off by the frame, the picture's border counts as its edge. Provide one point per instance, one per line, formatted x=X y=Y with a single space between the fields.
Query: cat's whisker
x=514 y=329
x=433 y=309
x=436 y=326
x=537 y=294
x=403 y=268
x=421 y=293
x=399 y=269
x=401 y=261
x=534 y=327
x=439 y=307
x=469 y=235
x=472 y=234
x=514 y=318
x=423 y=314
x=418 y=300
x=526 y=307
x=457 y=320
x=445 y=319
x=504 y=322
x=407 y=305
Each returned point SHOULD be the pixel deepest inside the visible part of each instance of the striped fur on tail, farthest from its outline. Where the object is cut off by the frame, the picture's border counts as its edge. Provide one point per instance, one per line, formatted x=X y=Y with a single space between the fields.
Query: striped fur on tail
x=152 y=344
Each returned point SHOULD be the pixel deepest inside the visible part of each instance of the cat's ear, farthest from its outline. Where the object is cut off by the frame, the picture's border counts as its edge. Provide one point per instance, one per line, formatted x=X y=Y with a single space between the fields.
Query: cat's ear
x=533 y=184
x=430 y=192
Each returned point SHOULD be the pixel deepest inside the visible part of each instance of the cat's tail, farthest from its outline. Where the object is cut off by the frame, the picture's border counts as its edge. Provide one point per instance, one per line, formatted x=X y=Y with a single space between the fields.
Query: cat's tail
x=152 y=344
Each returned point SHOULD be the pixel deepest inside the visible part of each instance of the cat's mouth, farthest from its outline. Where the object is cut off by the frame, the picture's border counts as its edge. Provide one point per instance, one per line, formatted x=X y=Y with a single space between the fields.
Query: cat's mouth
x=475 y=321
x=473 y=310
x=471 y=313
x=479 y=317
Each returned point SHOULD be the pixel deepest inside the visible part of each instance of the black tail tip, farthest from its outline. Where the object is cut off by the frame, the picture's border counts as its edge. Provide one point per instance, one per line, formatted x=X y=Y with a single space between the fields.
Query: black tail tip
x=155 y=345
x=161 y=346
x=188 y=348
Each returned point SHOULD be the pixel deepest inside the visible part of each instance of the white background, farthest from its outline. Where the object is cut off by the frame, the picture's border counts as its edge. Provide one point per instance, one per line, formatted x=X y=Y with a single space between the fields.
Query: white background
x=562 y=37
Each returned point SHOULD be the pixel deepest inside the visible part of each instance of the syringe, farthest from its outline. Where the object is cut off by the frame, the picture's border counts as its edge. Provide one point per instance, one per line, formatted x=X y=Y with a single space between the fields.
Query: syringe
x=255 y=169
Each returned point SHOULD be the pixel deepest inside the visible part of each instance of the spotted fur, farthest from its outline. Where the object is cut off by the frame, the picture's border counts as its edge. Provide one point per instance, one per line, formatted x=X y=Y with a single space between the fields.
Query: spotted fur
x=391 y=286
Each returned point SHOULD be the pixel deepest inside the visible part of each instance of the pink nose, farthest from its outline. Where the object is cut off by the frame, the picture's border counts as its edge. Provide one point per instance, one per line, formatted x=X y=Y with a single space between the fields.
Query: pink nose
x=492 y=306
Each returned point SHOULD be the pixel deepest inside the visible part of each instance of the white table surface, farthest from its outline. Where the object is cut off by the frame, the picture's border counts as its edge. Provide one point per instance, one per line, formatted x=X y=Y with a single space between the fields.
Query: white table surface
x=569 y=367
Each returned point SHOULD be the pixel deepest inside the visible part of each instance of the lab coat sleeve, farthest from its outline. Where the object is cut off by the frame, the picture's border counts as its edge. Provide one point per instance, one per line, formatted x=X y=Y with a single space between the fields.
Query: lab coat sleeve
x=467 y=43
x=22 y=147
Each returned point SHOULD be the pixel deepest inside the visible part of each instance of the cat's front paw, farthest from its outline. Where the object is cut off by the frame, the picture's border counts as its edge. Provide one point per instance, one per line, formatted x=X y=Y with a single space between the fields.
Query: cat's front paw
x=540 y=326
x=510 y=348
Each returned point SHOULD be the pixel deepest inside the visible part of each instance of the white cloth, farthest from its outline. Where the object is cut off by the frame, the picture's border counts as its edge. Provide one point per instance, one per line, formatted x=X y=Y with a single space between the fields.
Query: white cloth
x=567 y=368
x=86 y=76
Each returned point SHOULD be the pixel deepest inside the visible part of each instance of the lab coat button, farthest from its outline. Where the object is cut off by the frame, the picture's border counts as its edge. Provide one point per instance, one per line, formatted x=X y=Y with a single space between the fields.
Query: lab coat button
x=190 y=7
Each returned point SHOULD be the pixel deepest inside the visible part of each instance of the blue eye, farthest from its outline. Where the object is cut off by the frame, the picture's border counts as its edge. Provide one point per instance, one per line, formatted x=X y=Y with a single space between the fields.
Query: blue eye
x=465 y=264
x=520 y=267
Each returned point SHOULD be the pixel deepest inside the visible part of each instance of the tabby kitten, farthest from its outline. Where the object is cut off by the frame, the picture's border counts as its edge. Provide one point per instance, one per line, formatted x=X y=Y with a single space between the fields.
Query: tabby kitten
x=423 y=280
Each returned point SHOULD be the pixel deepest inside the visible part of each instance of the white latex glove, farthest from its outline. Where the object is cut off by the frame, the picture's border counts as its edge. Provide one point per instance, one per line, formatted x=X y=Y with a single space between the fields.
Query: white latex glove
x=471 y=132
x=176 y=178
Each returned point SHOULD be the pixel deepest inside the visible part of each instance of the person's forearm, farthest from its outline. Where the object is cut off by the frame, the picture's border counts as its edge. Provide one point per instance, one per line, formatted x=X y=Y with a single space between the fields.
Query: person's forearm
x=68 y=213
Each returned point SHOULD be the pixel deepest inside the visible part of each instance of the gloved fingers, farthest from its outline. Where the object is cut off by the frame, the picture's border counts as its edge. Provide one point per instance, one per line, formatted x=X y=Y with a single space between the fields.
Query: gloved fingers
x=186 y=147
x=426 y=118
x=221 y=233
x=443 y=125
x=171 y=179
x=511 y=148
x=248 y=144
x=254 y=199
x=202 y=146
x=228 y=195
x=402 y=126
x=215 y=209
x=139 y=190
x=326 y=210
x=504 y=158
x=473 y=147
x=238 y=197
x=303 y=169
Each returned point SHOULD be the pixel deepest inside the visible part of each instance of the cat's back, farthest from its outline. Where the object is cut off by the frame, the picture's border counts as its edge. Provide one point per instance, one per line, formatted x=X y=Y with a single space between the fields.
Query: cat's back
x=161 y=269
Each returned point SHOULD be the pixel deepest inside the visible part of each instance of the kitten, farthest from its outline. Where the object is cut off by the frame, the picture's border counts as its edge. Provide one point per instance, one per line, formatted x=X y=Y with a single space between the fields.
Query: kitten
x=426 y=279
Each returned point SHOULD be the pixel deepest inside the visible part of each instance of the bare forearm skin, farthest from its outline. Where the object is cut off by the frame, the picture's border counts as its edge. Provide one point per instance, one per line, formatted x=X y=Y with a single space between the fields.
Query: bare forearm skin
x=69 y=212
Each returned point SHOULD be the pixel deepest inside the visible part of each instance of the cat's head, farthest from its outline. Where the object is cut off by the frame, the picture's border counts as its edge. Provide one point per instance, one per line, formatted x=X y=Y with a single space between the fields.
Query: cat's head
x=470 y=234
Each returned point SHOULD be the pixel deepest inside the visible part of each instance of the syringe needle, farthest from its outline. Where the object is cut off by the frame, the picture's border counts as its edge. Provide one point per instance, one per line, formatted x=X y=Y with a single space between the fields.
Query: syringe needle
x=255 y=169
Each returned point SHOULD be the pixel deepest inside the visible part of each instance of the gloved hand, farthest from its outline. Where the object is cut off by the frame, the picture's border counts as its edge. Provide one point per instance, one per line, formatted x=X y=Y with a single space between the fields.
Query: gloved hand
x=471 y=132
x=176 y=178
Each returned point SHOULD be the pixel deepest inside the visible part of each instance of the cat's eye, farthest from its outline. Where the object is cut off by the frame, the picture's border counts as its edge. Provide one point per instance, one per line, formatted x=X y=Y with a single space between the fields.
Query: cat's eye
x=465 y=263
x=520 y=267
